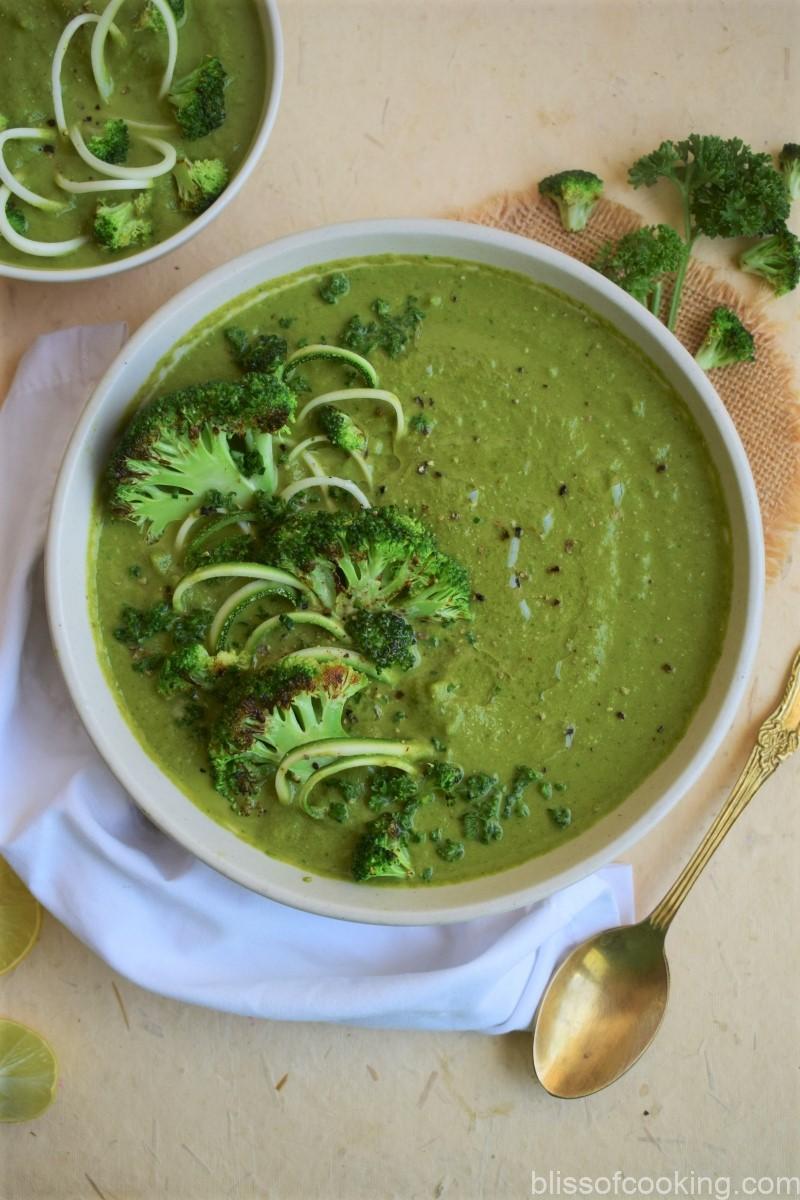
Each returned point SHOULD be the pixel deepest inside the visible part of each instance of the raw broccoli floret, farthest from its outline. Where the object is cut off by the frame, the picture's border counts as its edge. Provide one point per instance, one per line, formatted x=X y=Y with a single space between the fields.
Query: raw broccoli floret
x=391 y=786
x=450 y=850
x=192 y=666
x=789 y=163
x=575 y=193
x=262 y=352
x=200 y=182
x=726 y=342
x=383 y=636
x=390 y=332
x=113 y=144
x=479 y=785
x=199 y=99
x=341 y=430
x=421 y=424
x=725 y=188
x=382 y=852
x=334 y=287
x=213 y=437
x=640 y=260
x=120 y=226
x=775 y=259
x=267 y=714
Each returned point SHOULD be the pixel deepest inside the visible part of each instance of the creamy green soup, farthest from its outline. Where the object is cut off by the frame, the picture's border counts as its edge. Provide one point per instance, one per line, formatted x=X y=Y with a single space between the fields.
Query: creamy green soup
x=557 y=464
x=29 y=34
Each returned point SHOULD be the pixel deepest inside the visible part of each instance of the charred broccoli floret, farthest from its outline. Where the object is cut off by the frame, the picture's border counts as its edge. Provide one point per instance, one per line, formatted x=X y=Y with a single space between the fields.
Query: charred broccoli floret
x=213 y=437
x=789 y=163
x=341 y=430
x=382 y=852
x=270 y=713
x=200 y=182
x=120 y=226
x=199 y=99
x=726 y=342
x=193 y=667
x=384 y=636
x=575 y=193
x=775 y=259
x=113 y=144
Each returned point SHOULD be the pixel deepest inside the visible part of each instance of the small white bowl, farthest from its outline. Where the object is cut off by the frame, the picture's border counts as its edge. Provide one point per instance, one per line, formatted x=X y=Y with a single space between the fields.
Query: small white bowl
x=167 y=806
x=273 y=48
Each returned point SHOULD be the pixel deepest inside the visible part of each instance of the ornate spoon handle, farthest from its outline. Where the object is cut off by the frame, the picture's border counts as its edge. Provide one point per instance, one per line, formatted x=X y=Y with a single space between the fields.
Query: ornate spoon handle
x=778 y=737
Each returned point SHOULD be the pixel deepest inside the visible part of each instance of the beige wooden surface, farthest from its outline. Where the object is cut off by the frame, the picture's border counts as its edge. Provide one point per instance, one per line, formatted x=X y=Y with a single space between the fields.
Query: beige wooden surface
x=408 y=107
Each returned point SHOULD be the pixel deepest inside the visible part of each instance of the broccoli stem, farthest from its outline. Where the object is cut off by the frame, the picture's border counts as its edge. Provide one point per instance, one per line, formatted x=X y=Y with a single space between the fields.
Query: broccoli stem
x=350 y=764
x=689 y=238
x=297 y=616
x=338 y=748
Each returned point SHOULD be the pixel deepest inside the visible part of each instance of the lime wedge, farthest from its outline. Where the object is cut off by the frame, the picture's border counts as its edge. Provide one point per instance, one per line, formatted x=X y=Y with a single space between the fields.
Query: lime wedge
x=20 y=918
x=28 y=1072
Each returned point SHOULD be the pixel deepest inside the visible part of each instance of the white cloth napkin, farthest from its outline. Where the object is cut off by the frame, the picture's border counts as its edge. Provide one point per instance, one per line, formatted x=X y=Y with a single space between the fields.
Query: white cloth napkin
x=152 y=911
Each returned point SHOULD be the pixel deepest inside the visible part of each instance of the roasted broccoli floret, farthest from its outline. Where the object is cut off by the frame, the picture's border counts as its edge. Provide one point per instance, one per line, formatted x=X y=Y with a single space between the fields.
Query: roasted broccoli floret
x=726 y=342
x=213 y=437
x=341 y=430
x=199 y=182
x=776 y=259
x=193 y=667
x=334 y=287
x=725 y=188
x=199 y=99
x=120 y=226
x=789 y=163
x=272 y=712
x=382 y=852
x=390 y=332
x=640 y=260
x=263 y=352
x=113 y=144
x=383 y=636
x=391 y=786
x=575 y=193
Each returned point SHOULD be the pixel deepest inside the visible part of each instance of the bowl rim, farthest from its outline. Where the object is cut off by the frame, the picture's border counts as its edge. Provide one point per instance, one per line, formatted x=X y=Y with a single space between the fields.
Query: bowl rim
x=273 y=42
x=440 y=908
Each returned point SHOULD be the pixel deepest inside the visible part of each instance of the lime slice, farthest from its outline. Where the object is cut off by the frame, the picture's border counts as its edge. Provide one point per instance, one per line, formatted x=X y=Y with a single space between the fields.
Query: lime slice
x=20 y=918
x=28 y=1072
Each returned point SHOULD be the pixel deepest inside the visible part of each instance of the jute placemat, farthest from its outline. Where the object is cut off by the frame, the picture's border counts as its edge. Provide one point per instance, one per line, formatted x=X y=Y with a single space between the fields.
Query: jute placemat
x=761 y=396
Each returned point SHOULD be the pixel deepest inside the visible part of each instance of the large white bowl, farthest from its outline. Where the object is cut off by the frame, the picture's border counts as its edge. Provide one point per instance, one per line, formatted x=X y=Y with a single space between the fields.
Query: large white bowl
x=273 y=48
x=165 y=804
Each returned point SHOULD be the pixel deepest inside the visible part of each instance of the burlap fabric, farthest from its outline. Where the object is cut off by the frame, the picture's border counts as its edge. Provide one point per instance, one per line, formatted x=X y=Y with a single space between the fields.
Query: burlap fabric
x=761 y=396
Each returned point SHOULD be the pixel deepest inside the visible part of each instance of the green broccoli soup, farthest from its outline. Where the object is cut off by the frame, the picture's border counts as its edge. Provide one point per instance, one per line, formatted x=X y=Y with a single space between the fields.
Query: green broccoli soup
x=120 y=122
x=409 y=569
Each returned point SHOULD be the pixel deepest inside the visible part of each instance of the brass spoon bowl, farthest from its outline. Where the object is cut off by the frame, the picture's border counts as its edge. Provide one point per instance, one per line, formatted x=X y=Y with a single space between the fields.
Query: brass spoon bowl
x=603 y=1006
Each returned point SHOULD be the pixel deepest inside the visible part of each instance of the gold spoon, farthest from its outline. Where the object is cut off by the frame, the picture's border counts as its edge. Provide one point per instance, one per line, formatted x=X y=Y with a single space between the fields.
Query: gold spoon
x=602 y=1008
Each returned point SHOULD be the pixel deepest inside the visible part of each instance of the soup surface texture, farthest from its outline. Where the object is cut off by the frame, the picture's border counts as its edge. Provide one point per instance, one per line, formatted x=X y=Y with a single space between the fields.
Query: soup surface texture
x=29 y=34
x=550 y=458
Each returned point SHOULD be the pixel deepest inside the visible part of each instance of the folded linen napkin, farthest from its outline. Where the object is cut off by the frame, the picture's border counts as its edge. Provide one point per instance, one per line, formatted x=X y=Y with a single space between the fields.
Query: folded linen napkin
x=149 y=908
